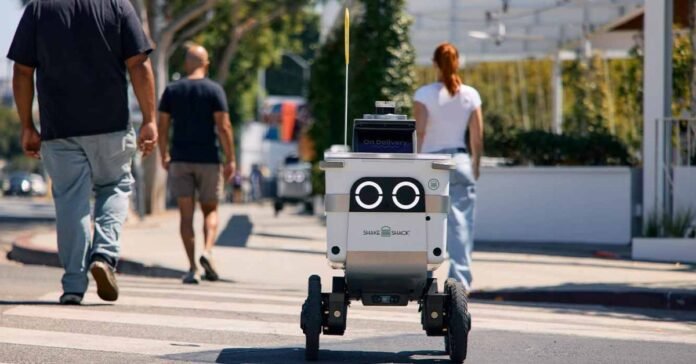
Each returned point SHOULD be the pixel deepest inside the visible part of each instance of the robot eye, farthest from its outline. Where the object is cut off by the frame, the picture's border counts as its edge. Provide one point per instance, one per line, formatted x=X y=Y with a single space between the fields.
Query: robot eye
x=368 y=195
x=405 y=198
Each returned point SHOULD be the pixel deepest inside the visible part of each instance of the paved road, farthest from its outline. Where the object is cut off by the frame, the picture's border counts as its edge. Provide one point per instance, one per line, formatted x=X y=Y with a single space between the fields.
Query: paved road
x=159 y=320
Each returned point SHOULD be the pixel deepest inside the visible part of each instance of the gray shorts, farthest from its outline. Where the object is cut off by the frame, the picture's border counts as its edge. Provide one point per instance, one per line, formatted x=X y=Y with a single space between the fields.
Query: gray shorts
x=188 y=179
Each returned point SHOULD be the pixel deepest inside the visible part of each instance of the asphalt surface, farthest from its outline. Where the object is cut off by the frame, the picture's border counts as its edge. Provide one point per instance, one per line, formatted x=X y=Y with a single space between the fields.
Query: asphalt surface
x=160 y=320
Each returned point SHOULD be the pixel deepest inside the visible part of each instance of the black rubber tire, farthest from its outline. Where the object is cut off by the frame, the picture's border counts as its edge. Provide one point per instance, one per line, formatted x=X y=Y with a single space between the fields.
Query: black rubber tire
x=458 y=321
x=311 y=318
x=277 y=207
x=309 y=207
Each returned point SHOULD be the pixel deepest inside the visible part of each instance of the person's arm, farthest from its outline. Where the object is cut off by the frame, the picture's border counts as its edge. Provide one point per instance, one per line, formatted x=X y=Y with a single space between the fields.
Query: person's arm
x=23 y=89
x=476 y=140
x=226 y=135
x=420 y=112
x=140 y=70
x=163 y=131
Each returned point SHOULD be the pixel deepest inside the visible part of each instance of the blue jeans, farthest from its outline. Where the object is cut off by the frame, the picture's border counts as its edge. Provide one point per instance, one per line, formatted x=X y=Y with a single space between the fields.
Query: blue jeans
x=79 y=166
x=460 y=220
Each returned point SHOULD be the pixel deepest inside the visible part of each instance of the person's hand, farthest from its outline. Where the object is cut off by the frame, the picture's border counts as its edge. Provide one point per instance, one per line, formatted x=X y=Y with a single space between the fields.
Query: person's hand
x=165 y=161
x=31 y=142
x=477 y=171
x=148 y=138
x=228 y=170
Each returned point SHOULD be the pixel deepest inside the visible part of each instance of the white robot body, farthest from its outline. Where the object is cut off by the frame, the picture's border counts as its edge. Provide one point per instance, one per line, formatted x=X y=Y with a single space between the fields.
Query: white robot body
x=388 y=244
x=386 y=217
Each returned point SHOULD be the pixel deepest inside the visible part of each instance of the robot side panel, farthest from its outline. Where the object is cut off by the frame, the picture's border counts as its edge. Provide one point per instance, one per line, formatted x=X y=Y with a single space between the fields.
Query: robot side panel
x=437 y=238
x=336 y=236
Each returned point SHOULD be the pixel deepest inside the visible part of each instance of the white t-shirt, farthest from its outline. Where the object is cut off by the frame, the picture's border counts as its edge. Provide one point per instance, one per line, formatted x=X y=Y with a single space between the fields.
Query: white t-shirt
x=448 y=116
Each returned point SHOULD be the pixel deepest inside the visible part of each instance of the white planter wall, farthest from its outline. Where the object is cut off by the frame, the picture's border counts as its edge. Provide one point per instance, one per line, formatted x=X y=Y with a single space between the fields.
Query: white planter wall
x=664 y=249
x=555 y=205
x=684 y=188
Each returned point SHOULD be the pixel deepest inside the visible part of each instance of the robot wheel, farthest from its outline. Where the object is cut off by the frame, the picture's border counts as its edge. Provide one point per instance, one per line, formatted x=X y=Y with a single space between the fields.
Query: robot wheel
x=458 y=321
x=311 y=318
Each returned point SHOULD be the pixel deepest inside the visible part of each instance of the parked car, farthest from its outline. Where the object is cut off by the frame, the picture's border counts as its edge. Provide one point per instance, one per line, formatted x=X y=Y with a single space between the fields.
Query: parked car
x=24 y=184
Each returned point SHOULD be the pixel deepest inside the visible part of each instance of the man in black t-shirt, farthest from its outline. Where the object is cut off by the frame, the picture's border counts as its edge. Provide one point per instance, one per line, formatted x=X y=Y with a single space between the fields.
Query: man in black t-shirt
x=80 y=51
x=196 y=107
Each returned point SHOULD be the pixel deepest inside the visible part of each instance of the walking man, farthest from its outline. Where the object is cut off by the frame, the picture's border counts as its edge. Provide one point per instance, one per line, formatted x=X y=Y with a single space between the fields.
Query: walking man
x=80 y=51
x=197 y=109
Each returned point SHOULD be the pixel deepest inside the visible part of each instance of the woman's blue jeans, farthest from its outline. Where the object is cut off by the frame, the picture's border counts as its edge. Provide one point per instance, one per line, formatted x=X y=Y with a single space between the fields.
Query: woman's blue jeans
x=460 y=220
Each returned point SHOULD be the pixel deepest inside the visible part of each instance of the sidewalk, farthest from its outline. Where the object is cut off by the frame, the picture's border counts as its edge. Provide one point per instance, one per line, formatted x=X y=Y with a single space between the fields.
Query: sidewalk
x=255 y=247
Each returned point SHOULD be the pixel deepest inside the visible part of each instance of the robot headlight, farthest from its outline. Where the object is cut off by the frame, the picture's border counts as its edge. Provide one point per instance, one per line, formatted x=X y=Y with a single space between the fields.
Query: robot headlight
x=402 y=195
x=298 y=177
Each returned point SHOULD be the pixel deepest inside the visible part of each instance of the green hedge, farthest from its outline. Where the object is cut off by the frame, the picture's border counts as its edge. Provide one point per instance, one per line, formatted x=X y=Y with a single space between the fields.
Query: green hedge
x=543 y=148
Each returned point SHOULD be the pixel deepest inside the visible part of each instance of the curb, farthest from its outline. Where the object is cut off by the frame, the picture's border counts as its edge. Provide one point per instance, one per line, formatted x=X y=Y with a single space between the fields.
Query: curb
x=670 y=300
x=24 y=252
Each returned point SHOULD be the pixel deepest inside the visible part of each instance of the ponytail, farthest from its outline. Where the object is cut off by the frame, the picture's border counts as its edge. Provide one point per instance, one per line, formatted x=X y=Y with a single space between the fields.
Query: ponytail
x=446 y=57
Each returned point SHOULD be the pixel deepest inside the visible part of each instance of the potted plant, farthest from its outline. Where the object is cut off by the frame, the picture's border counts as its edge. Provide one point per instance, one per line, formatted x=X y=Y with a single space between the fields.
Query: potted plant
x=668 y=238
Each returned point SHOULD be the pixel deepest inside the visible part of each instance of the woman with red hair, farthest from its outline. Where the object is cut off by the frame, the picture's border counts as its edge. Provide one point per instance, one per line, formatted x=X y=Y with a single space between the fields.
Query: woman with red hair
x=444 y=110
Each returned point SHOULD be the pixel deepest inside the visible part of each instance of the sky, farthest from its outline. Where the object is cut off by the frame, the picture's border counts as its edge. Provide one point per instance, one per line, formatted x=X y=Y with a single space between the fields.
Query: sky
x=10 y=12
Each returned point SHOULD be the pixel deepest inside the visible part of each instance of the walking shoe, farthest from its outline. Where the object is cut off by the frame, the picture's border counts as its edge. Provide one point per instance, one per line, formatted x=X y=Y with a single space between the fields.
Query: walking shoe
x=71 y=299
x=192 y=277
x=103 y=273
x=209 y=266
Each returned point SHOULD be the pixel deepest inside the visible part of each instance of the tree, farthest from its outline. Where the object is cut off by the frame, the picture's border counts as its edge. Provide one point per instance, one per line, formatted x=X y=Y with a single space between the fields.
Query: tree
x=381 y=68
x=223 y=26
x=249 y=36
x=10 y=147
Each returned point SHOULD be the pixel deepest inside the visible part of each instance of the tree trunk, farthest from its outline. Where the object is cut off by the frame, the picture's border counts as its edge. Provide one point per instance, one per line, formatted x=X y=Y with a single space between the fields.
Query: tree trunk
x=162 y=33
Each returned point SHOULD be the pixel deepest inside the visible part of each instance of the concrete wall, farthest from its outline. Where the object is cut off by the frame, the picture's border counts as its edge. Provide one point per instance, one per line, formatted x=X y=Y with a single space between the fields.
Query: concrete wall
x=555 y=205
x=684 y=188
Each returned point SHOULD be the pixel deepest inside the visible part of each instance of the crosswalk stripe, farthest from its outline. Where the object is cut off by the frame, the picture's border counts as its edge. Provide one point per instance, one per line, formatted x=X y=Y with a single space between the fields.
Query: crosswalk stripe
x=218 y=287
x=251 y=296
x=69 y=340
x=355 y=312
x=183 y=322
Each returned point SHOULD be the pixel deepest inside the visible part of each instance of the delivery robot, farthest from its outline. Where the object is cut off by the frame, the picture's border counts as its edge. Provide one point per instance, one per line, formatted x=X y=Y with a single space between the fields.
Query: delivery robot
x=294 y=185
x=386 y=217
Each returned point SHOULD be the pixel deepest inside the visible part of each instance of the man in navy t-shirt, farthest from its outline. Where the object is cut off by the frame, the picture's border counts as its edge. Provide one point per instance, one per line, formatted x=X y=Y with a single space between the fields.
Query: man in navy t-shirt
x=80 y=51
x=197 y=109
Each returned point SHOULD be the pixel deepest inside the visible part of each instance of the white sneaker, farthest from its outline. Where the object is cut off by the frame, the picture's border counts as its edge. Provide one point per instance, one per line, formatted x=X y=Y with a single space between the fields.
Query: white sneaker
x=191 y=278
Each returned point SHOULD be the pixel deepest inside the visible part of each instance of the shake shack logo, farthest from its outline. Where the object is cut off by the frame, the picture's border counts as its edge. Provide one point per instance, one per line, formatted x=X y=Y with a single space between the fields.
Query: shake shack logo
x=386 y=232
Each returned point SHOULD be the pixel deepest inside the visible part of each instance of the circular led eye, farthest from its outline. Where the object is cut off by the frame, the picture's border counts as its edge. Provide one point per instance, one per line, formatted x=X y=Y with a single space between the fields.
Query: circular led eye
x=396 y=200
x=287 y=177
x=298 y=177
x=379 y=195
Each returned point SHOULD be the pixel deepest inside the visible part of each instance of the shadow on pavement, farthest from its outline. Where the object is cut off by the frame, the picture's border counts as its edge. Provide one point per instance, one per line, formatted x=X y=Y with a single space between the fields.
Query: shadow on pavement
x=603 y=294
x=283 y=236
x=553 y=249
x=237 y=232
x=602 y=311
x=580 y=264
x=296 y=355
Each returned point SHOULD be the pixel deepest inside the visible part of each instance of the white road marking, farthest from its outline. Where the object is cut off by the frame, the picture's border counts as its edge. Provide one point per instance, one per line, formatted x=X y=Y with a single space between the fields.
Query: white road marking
x=224 y=294
x=264 y=308
x=68 y=340
x=185 y=322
